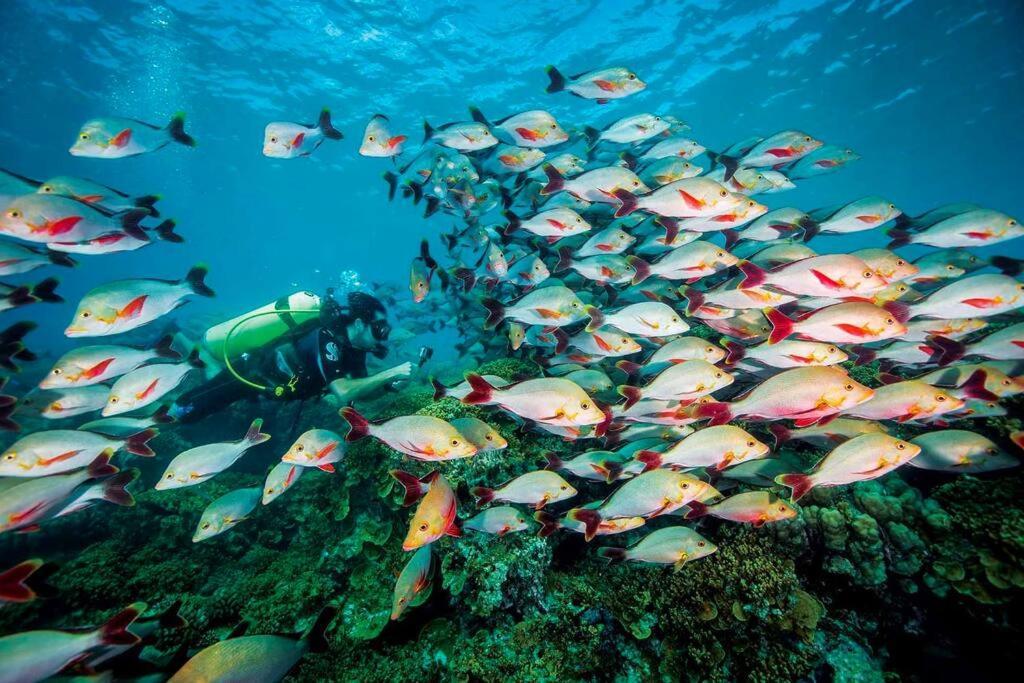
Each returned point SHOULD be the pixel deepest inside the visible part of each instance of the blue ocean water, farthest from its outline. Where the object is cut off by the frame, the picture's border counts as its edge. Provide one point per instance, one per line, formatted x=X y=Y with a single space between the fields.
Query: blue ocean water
x=927 y=92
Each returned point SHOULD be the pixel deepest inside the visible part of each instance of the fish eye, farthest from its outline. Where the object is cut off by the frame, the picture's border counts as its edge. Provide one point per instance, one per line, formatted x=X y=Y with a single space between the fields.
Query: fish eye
x=782 y=508
x=832 y=349
x=10 y=456
x=636 y=183
x=564 y=487
x=900 y=262
x=723 y=193
x=849 y=387
x=46 y=188
x=901 y=446
x=489 y=437
x=575 y=305
x=991 y=451
x=684 y=484
x=631 y=77
x=1011 y=222
x=892 y=206
x=554 y=126
x=369 y=138
x=299 y=447
x=867 y=273
x=720 y=254
x=750 y=444
x=113 y=399
x=675 y=320
x=424 y=526
x=270 y=491
x=807 y=138
x=718 y=374
x=700 y=544
x=169 y=475
x=455 y=442
x=888 y=321
x=57 y=371
x=86 y=314
x=579 y=220
x=83 y=136
x=273 y=139
x=657 y=118
x=991 y=405
x=1006 y=382
x=206 y=525
x=940 y=398
x=14 y=213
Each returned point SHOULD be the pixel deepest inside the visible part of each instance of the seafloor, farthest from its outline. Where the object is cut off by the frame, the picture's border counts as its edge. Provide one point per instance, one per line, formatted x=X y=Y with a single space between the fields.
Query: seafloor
x=915 y=576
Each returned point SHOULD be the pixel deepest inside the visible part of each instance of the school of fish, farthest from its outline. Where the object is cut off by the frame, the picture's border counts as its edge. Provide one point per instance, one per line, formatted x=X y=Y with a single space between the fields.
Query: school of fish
x=685 y=330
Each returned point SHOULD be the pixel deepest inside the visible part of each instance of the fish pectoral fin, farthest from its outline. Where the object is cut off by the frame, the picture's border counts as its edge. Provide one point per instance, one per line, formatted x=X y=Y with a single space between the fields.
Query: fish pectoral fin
x=683 y=557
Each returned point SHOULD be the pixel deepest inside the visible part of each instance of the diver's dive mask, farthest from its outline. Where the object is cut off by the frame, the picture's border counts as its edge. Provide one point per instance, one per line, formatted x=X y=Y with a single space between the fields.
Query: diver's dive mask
x=381 y=330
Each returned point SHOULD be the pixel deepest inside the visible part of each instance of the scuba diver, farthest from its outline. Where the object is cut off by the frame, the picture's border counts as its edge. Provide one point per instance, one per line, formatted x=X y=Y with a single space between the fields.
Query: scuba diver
x=305 y=352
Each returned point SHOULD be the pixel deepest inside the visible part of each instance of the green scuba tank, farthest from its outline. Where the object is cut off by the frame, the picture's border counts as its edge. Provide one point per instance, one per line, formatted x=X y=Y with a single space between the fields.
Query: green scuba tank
x=265 y=325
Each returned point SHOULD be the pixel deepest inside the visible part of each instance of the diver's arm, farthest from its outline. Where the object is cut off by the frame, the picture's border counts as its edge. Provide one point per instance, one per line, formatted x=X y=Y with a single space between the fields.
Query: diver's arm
x=350 y=389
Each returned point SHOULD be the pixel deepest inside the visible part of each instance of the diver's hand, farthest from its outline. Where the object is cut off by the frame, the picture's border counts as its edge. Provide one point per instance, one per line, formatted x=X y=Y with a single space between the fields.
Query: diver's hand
x=400 y=373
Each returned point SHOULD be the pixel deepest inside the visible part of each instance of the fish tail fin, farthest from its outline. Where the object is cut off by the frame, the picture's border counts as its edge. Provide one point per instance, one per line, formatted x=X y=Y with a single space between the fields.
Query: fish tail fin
x=589 y=518
x=782 y=326
x=432 y=205
x=171 y=617
x=477 y=115
x=548 y=523
x=11 y=345
x=59 y=258
x=137 y=444
x=731 y=164
x=596 y=318
x=974 y=387
x=428 y=260
x=315 y=637
x=483 y=495
x=328 y=129
x=694 y=299
x=696 y=510
x=564 y=260
x=631 y=368
x=561 y=340
x=6 y=423
x=798 y=483
x=716 y=413
x=254 y=436
x=481 y=390
x=556 y=181
x=440 y=390
x=176 y=129
x=553 y=461
x=642 y=269
x=862 y=355
x=359 y=427
x=19 y=296
x=14 y=582
x=810 y=228
x=115 y=489
x=613 y=471
x=900 y=237
x=1007 y=264
x=628 y=202
x=612 y=553
x=163 y=348
x=731 y=238
x=1017 y=438
x=428 y=131
x=101 y=467
x=414 y=487
x=629 y=160
x=557 y=80
x=593 y=136
x=165 y=231
x=162 y=415
x=630 y=393
x=194 y=360
x=195 y=279
x=651 y=459
x=46 y=291
x=414 y=190
x=131 y=223
x=781 y=433
x=948 y=350
x=148 y=202
x=115 y=631
x=467 y=277
x=753 y=275
x=495 y=312
x=392 y=180
x=734 y=351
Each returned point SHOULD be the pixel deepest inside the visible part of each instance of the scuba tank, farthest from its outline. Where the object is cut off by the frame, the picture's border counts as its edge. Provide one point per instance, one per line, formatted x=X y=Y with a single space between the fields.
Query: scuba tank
x=263 y=326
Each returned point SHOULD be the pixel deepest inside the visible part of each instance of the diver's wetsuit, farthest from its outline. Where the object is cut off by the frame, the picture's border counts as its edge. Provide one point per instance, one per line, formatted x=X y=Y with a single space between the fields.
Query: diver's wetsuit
x=298 y=369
